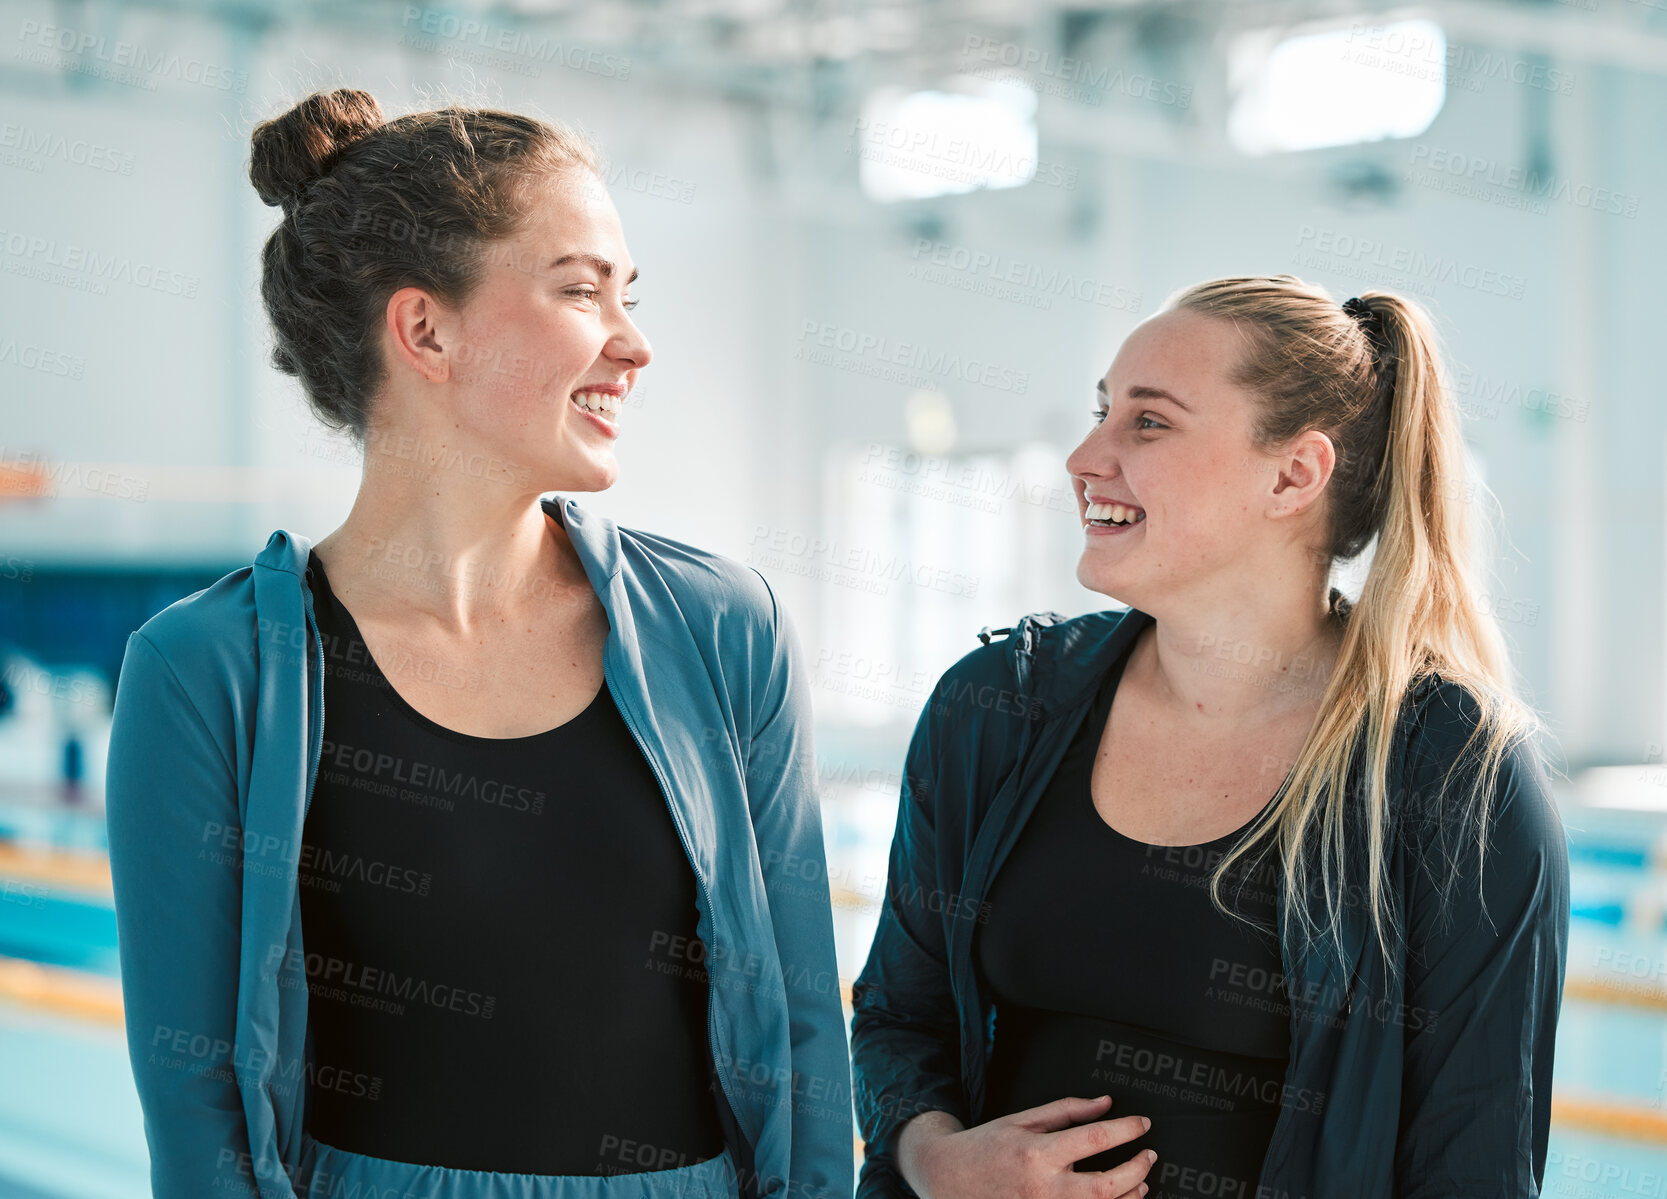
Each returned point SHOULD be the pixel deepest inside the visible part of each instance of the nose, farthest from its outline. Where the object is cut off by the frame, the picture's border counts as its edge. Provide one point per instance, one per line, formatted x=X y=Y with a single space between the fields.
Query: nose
x=1091 y=458
x=628 y=345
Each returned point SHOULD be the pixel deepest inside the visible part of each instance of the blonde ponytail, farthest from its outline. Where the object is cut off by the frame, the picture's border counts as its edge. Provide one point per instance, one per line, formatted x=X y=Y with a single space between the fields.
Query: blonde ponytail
x=1373 y=382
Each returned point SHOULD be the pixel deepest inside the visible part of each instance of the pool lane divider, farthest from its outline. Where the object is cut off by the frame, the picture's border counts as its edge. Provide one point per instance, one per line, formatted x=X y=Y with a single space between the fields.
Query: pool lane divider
x=1621 y=1121
x=75 y=994
x=86 y=870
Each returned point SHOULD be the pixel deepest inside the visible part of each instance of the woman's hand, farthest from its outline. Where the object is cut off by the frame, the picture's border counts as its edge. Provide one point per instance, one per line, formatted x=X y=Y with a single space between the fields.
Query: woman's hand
x=1028 y=1154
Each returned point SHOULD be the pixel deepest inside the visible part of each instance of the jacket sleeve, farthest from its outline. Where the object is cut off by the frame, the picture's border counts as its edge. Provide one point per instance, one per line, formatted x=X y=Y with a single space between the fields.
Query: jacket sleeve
x=1483 y=985
x=905 y=1033
x=787 y=819
x=171 y=807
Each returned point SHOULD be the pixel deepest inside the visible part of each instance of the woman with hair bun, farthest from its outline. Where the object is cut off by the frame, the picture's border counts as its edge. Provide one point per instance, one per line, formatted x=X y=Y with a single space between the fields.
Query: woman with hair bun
x=475 y=850
x=1260 y=892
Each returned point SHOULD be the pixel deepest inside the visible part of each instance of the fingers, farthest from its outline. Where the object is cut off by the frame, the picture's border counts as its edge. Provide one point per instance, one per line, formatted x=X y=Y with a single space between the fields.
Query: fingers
x=1062 y=1113
x=1086 y=1140
x=1127 y=1181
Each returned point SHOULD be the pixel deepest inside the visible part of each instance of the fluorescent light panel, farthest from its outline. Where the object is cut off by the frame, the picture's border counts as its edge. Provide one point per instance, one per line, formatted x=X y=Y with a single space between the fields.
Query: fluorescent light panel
x=1336 y=87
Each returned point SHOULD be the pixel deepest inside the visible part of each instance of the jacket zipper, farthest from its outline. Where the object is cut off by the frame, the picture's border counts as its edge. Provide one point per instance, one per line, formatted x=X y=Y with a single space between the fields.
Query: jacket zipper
x=971 y=972
x=318 y=695
x=1028 y=634
x=688 y=851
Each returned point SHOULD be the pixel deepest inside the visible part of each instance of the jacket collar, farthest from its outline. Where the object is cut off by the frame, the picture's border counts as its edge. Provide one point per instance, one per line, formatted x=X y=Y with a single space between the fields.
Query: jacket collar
x=1058 y=662
x=595 y=539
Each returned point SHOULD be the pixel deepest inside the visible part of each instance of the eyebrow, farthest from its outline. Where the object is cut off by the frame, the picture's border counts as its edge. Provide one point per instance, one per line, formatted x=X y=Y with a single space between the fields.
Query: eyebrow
x=602 y=265
x=1143 y=393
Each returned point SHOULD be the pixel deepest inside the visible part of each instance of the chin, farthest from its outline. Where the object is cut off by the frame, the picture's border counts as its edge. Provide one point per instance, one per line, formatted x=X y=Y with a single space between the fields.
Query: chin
x=592 y=476
x=1121 y=586
x=1093 y=578
x=573 y=472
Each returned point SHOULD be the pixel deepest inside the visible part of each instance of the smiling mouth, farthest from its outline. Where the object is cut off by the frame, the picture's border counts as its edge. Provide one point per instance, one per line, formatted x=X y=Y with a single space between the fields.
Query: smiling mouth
x=1114 y=515
x=599 y=402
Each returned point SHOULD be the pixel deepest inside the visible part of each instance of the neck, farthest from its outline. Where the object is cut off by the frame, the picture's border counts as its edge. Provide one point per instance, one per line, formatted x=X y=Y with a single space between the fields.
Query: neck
x=449 y=536
x=1244 y=659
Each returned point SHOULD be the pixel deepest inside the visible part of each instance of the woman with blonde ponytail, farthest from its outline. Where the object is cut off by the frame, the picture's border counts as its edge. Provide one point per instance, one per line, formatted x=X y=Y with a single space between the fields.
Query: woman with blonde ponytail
x=1245 y=889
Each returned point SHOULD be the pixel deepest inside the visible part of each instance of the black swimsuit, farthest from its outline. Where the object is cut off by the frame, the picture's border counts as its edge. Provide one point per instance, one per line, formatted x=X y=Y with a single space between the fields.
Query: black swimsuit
x=502 y=963
x=1113 y=973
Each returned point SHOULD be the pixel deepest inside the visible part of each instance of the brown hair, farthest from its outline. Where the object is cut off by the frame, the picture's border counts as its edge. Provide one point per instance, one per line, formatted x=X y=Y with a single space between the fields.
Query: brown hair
x=371 y=206
x=1375 y=386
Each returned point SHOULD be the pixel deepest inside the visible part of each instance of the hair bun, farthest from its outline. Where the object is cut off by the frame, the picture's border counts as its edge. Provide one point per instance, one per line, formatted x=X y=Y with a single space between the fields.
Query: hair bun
x=292 y=150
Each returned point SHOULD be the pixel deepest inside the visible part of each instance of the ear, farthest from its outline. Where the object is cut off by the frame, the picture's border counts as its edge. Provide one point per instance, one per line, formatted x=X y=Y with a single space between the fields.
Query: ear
x=1301 y=473
x=421 y=333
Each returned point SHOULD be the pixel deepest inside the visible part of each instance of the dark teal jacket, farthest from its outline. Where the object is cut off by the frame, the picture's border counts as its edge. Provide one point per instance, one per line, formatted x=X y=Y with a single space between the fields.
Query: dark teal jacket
x=1431 y=1081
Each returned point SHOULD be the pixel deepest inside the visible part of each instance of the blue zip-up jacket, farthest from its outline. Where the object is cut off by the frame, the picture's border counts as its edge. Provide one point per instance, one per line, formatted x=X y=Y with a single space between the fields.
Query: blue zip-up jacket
x=1435 y=1081
x=213 y=753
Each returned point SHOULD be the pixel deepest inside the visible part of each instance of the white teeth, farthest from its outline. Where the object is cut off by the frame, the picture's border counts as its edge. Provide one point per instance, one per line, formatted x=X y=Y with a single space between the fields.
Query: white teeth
x=1115 y=512
x=599 y=401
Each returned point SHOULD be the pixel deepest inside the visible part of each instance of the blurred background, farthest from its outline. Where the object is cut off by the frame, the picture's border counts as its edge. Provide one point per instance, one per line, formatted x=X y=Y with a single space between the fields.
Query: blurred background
x=886 y=250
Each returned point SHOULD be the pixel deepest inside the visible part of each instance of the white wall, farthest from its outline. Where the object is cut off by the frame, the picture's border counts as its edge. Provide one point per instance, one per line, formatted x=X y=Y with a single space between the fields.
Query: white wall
x=727 y=446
